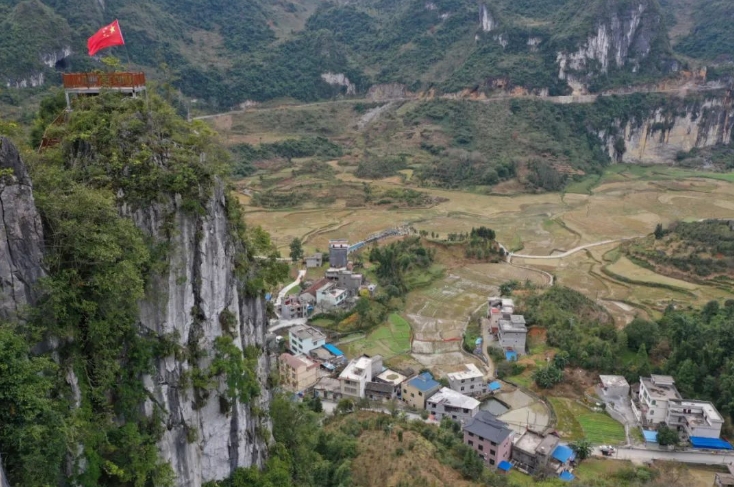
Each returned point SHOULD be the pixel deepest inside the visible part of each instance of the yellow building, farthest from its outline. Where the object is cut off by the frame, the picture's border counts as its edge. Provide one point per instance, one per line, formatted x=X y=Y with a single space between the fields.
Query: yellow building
x=418 y=389
x=297 y=372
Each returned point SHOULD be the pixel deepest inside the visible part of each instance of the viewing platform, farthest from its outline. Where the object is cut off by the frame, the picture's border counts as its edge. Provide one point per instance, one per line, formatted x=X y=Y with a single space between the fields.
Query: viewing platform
x=93 y=83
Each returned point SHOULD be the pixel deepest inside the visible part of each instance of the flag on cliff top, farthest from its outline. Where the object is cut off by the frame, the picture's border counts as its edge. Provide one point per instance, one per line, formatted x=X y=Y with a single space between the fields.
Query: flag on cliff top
x=105 y=37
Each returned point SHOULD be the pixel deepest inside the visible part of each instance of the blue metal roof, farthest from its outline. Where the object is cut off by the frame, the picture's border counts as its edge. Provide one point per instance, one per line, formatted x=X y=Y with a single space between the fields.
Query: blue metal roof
x=563 y=453
x=510 y=355
x=712 y=443
x=334 y=351
x=423 y=382
x=650 y=436
x=566 y=475
x=504 y=465
x=478 y=341
x=494 y=386
x=268 y=296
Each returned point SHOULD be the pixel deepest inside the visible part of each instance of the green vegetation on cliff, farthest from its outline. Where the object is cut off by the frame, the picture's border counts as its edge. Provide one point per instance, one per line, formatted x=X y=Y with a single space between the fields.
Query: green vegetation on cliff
x=117 y=155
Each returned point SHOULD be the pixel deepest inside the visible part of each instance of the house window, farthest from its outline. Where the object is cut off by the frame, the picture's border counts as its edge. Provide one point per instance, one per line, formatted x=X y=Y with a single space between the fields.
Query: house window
x=420 y=393
x=491 y=461
x=413 y=395
x=471 y=443
x=462 y=381
x=481 y=447
x=493 y=452
x=493 y=443
x=433 y=405
x=654 y=403
x=453 y=417
x=462 y=388
x=471 y=434
x=472 y=387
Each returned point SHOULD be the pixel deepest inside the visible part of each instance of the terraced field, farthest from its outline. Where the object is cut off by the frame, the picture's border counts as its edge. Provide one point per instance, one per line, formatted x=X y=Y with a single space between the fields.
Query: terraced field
x=576 y=421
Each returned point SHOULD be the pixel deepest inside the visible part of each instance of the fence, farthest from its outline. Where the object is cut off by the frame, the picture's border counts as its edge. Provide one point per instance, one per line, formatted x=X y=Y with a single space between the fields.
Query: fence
x=103 y=80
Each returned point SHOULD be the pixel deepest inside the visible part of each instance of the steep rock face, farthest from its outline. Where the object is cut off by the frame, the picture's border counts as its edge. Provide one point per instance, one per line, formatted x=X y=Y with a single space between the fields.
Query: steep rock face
x=186 y=302
x=21 y=235
x=623 y=38
x=486 y=20
x=387 y=91
x=3 y=479
x=658 y=138
x=339 y=79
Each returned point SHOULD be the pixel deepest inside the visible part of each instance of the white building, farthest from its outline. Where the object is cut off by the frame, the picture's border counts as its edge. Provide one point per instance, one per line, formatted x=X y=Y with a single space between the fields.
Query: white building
x=655 y=393
x=304 y=338
x=359 y=371
x=469 y=381
x=512 y=333
x=696 y=418
x=614 y=385
x=334 y=297
x=451 y=404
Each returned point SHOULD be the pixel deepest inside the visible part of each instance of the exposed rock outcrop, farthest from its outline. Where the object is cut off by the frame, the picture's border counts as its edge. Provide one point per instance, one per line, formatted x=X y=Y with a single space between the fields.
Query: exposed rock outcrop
x=658 y=138
x=486 y=20
x=205 y=438
x=387 y=91
x=623 y=38
x=21 y=235
x=340 y=79
x=3 y=478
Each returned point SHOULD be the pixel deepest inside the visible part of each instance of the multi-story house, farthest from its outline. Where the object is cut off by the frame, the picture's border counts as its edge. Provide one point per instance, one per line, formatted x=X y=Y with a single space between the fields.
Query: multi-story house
x=694 y=418
x=489 y=437
x=447 y=403
x=532 y=451
x=358 y=373
x=655 y=393
x=303 y=339
x=297 y=372
x=469 y=381
x=512 y=333
x=418 y=389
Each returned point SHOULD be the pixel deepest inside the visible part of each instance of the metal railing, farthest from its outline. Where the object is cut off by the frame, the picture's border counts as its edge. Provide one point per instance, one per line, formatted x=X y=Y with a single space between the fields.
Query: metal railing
x=103 y=80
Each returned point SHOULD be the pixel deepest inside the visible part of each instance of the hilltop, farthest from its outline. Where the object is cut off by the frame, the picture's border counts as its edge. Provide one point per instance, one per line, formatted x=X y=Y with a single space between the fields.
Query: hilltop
x=225 y=53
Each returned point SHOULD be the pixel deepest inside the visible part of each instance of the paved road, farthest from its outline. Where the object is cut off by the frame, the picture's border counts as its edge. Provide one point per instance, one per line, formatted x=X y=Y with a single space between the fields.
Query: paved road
x=644 y=455
x=284 y=291
x=570 y=252
x=280 y=324
x=330 y=406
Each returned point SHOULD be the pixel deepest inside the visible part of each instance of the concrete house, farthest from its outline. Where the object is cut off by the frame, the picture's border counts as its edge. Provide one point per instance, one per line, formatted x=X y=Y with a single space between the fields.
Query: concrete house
x=655 y=393
x=332 y=297
x=614 y=385
x=297 y=372
x=379 y=391
x=532 y=451
x=358 y=373
x=393 y=378
x=304 y=338
x=328 y=388
x=447 y=403
x=418 y=389
x=694 y=418
x=315 y=260
x=292 y=308
x=489 y=437
x=512 y=333
x=469 y=381
x=338 y=251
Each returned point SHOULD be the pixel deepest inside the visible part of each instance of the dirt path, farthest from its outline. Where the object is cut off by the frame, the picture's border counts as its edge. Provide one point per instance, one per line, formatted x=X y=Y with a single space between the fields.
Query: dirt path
x=569 y=252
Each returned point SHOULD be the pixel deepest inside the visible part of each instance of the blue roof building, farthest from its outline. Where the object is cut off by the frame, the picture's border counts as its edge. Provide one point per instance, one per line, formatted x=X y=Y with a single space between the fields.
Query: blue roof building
x=563 y=453
x=333 y=350
x=418 y=389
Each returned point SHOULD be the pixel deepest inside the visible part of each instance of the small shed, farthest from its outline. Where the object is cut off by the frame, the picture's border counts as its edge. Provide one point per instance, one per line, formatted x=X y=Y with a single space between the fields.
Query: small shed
x=614 y=385
x=494 y=386
x=504 y=466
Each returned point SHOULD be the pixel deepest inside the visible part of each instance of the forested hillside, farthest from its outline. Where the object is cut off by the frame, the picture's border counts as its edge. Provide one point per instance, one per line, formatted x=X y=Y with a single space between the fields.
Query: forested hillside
x=224 y=53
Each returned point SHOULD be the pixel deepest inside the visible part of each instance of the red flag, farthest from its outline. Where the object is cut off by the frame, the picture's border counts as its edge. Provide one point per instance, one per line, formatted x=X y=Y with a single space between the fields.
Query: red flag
x=105 y=37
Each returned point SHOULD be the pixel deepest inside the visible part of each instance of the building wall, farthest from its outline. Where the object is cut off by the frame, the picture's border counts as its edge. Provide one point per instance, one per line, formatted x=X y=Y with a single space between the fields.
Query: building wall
x=516 y=341
x=656 y=413
x=492 y=453
x=415 y=398
x=299 y=379
x=352 y=388
x=439 y=410
x=470 y=387
x=618 y=391
x=705 y=431
x=525 y=458
x=304 y=346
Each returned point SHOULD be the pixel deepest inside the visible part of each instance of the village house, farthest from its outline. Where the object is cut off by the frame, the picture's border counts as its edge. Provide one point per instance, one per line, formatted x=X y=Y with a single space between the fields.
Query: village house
x=304 y=338
x=614 y=385
x=698 y=419
x=292 y=308
x=418 y=389
x=315 y=260
x=469 y=381
x=379 y=391
x=393 y=378
x=655 y=392
x=532 y=451
x=328 y=388
x=297 y=372
x=489 y=437
x=512 y=333
x=331 y=296
x=447 y=403
x=358 y=373
x=338 y=252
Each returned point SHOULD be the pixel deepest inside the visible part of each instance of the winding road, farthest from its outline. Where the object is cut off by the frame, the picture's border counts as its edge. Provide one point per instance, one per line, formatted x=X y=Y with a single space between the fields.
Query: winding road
x=569 y=252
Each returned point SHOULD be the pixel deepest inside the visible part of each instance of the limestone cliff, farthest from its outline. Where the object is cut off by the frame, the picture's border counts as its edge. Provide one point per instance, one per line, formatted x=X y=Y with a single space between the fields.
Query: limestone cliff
x=657 y=138
x=205 y=438
x=21 y=235
x=623 y=36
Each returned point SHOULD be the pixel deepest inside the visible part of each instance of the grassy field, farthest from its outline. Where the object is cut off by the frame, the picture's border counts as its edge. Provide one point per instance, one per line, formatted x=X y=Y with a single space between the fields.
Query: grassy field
x=388 y=340
x=576 y=421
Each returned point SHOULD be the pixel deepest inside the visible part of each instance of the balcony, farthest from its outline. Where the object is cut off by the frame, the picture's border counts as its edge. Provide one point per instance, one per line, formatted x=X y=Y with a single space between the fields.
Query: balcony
x=114 y=81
